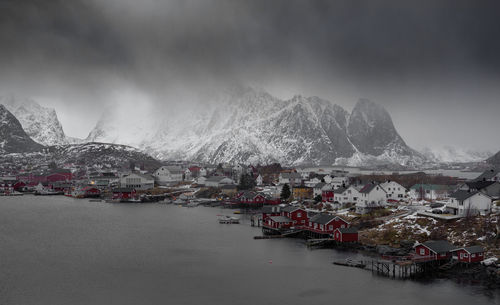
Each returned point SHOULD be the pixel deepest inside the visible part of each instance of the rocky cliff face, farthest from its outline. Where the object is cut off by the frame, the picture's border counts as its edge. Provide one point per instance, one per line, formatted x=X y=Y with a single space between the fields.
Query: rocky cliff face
x=40 y=123
x=13 y=139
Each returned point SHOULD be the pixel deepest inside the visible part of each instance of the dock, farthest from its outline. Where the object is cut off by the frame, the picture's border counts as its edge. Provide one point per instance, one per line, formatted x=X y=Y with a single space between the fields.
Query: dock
x=406 y=268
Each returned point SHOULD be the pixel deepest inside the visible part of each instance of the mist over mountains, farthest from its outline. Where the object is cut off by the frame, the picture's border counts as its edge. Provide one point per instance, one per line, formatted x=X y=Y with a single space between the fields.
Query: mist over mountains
x=247 y=125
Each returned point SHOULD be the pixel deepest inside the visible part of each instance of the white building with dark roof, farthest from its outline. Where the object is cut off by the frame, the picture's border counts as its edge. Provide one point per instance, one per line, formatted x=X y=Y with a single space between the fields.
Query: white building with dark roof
x=168 y=175
x=469 y=203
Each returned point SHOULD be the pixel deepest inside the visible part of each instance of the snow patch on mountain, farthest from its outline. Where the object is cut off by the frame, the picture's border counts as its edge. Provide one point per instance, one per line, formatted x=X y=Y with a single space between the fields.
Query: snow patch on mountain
x=450 y=154
x=40 y=123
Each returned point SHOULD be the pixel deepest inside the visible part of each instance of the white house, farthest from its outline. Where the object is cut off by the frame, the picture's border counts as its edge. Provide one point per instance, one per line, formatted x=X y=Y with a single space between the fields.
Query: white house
x=347 y=195
x=429 y=192
x=328 y=179
x=339 y=182
x=168 y=175
x=216 y=181
x=137 y=181
x=394 y=190
x=290 y=179
x=490 y=188
x=312 y=182
x=371 y=196
x=465 y=203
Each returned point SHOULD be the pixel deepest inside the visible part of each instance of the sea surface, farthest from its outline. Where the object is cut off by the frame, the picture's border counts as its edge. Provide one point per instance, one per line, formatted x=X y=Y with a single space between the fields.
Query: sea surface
x=59 y=250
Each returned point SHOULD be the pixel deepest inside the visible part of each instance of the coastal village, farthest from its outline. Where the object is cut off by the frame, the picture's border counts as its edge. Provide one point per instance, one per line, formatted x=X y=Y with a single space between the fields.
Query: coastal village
x=409 y=217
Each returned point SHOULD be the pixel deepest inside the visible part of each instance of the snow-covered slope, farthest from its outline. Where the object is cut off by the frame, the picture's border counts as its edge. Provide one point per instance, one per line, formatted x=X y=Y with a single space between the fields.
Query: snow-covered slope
x=449 y=154
x=40 y=123
x=101 y=153
x=13 y=139
x=251 y=126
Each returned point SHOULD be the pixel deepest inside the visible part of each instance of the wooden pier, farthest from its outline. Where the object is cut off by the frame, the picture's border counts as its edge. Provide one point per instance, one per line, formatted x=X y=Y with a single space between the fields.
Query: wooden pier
x=404 y=269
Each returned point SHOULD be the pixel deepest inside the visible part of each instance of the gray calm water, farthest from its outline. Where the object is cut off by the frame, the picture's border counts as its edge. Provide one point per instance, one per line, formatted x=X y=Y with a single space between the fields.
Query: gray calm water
x=59 y=250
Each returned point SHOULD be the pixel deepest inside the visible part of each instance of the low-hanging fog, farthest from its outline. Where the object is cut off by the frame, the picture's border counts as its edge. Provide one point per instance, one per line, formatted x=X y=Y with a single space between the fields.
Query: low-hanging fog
x=434 y=65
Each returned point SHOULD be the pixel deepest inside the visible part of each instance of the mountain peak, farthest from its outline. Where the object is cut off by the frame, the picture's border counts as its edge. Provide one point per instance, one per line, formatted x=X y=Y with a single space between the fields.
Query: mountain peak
x=372 y=131
x=13 y=139
x=40 y=123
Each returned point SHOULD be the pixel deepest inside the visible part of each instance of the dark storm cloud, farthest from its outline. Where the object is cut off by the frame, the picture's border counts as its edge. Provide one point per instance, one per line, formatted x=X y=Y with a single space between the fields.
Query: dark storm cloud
x=400 y=53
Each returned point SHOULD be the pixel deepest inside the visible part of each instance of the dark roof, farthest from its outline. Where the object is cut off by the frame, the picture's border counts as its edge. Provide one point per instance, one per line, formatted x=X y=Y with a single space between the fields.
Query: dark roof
x=479 y=185
x=351 y=230
x=368 y=188
x=474 y=249
x=280 y=219
x=340 y=190
x=322 y=218
x=487 y=174
x=319 y=185
x=290 y=208
x=471 y=249
x=268 y=209
x=461 y=195
x=439 y=246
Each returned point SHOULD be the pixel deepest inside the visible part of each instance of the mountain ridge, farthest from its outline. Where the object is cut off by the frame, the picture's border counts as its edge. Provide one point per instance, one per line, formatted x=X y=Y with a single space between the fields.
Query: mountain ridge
x=252 y=126
x=13 y=138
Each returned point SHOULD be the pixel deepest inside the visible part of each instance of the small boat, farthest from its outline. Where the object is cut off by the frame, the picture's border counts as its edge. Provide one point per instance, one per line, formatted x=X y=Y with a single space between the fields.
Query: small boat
x=224 y=219
x=237 y=212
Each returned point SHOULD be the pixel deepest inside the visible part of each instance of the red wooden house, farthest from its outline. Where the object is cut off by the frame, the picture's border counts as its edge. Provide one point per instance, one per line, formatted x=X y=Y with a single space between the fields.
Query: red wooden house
x=434 y=250
x=250 y=197
x=123 y=193
x=268 y=210
x=19 y=186
x=278 y=222
x=325 y=224
x=297 y=215
x=327 y=196
x=473 y=254
x=346 y=235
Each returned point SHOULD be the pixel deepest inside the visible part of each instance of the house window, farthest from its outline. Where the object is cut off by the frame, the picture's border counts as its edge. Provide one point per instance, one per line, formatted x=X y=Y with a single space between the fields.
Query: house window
x=473 y=255
x=466 y=255
x=480 y=254
x=330 y=227
x=342 y=226
x=299 y=214
x=422 y=251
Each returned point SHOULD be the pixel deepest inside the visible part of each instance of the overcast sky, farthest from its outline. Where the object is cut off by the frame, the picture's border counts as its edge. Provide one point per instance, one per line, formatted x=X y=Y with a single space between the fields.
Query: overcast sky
x=434 y=65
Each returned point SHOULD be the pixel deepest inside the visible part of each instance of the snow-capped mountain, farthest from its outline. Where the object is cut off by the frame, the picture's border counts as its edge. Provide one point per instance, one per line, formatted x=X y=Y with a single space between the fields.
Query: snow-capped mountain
x=13 y=139
x=251 y=126
x=40 y=123
x=449 y=154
